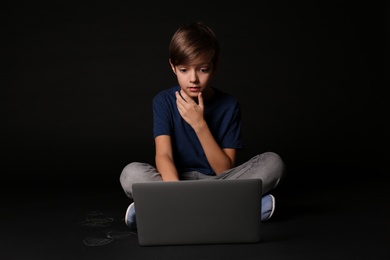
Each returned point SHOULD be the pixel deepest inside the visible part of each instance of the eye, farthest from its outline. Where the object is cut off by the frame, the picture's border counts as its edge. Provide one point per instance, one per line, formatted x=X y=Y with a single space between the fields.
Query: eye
x=182 y=70
x=204 y=70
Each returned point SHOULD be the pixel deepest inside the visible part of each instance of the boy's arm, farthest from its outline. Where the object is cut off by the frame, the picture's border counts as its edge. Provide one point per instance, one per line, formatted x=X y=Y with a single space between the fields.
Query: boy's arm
x=219 y=159
x=164 y=158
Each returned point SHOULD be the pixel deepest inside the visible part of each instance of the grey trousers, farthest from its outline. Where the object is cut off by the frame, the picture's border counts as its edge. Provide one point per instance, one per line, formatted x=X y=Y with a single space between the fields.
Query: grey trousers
x=268 y=167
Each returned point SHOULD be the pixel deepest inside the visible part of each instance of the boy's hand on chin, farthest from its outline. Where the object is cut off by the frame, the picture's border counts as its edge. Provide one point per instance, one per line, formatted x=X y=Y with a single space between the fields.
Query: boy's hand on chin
x=189 y=110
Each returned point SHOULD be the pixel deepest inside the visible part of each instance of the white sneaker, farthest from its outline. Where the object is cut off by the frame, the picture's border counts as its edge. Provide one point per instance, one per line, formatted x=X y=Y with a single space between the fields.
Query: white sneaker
x=130 y=217
x=267 y=207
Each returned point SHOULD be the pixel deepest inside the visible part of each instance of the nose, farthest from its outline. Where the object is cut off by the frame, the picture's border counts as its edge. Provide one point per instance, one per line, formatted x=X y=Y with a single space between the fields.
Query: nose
x=193 y=77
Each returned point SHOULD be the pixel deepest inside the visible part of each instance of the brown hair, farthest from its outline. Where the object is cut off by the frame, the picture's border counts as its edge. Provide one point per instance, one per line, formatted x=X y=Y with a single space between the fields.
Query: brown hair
x=192 y=41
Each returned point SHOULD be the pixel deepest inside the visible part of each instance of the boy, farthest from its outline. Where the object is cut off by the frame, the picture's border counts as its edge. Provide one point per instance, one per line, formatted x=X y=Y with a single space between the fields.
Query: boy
x=197 y=128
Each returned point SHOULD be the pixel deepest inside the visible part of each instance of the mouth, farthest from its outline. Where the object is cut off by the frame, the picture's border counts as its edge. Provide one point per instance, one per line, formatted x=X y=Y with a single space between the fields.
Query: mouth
x=194 y=89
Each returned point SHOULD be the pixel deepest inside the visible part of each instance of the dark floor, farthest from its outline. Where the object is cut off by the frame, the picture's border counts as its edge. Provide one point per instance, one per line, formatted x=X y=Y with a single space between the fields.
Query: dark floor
x=317 y=221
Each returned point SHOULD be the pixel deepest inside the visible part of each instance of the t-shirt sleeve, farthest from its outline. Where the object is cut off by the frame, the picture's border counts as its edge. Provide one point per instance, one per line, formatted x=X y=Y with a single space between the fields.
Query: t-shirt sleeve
x=233 y=136
x=161 y=116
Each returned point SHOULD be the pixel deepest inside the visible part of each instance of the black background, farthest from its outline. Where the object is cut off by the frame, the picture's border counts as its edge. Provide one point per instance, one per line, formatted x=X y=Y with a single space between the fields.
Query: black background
x=78 y=80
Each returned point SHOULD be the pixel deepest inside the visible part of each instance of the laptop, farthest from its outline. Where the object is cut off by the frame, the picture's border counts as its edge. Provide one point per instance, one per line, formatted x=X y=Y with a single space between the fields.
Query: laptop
x=198 y=212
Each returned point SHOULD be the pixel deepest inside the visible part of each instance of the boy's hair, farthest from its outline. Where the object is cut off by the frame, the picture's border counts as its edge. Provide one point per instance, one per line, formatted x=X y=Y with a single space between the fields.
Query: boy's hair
x=192 y=41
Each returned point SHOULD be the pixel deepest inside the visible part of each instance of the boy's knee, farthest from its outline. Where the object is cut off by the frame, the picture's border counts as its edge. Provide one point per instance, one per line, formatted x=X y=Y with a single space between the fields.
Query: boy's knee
x=277 y=163
x=127 y=178
x=127 y=172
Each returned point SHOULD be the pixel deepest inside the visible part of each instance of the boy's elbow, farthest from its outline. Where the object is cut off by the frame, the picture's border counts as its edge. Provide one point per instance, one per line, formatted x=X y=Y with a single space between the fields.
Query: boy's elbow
x=227 y=166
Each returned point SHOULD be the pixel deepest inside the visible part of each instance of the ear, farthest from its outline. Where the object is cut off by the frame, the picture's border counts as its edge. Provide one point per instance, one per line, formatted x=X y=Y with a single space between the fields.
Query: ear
x=172 y=66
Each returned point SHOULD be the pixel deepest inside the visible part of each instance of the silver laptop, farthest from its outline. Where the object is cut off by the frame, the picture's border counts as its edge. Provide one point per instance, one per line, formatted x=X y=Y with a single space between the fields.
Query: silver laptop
x=198 y=212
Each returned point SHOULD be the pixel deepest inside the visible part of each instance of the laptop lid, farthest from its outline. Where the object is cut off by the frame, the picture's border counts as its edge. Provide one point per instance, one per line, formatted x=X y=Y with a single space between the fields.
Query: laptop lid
x=198 y=212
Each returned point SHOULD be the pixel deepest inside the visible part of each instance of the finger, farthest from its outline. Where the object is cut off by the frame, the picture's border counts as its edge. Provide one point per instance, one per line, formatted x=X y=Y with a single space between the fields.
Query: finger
x=180 y=101
x=179 y=98
x=200 y=100
x=183 y=95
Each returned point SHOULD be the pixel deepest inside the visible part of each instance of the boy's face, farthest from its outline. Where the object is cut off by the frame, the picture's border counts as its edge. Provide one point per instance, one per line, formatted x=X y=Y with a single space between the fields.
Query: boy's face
x=194 y=77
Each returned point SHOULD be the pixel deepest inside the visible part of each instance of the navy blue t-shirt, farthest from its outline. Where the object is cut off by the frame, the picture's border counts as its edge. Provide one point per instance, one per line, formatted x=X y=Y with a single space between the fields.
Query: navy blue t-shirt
x=222 y=114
